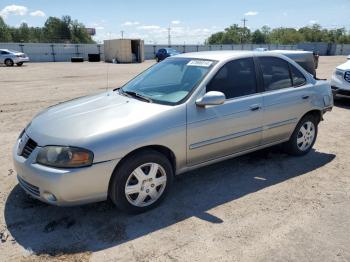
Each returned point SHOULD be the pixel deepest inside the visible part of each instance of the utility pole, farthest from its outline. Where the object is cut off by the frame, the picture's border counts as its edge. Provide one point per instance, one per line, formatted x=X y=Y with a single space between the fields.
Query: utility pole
x=169 y=37
x=244 y=20
x=122 y=33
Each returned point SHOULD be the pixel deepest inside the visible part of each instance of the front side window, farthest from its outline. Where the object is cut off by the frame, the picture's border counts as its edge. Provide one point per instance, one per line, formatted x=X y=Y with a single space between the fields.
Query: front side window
x=275 y=73
x=236 y=78
x=170 y=81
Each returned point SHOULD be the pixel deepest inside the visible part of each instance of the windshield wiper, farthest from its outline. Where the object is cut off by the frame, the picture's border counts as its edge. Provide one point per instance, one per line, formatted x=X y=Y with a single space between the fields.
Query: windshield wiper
x=136 y=95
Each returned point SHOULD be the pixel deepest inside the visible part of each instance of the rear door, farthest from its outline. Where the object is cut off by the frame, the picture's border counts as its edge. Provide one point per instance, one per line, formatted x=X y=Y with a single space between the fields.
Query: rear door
x=236 y=125
x=286 y=98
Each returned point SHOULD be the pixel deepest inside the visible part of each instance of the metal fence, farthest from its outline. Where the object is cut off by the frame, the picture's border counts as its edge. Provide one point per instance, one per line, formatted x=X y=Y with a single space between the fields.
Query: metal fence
x=39 y=52
x=54 y=52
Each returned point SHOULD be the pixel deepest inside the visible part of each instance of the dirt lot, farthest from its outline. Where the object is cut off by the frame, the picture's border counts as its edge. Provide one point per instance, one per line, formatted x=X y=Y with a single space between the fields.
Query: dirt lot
x=265 y=206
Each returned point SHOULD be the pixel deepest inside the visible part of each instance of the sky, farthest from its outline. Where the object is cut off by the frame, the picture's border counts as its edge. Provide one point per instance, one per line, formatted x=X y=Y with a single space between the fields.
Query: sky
x=190 y=22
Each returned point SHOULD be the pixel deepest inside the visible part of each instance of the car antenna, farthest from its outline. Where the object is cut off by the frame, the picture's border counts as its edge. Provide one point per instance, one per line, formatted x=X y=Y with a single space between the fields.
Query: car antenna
x=107 y=78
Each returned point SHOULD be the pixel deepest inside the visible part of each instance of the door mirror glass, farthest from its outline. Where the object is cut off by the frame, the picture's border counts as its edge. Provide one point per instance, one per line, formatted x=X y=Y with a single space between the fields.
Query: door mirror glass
x=211 y=98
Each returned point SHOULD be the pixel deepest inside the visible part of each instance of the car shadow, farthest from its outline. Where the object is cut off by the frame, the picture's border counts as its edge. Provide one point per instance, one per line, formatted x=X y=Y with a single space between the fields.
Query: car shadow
x=53 y=231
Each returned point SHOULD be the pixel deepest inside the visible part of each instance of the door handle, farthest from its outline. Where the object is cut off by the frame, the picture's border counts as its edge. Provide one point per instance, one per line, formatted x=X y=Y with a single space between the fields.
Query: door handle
x=305 y=97
x=255 y=107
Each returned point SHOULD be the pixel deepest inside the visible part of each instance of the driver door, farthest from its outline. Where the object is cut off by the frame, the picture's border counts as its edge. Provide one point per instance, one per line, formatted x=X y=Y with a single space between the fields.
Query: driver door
x=229 y=128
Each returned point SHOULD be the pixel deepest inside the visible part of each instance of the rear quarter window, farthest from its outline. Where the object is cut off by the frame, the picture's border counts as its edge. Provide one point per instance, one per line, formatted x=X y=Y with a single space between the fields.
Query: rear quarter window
x=297 y=77
x=275 y=72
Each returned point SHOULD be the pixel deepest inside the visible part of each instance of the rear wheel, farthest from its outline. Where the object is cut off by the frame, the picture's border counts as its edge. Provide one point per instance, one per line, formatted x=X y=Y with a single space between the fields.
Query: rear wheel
x=141 y=181
x=303 y=137
x=19 y=64
x=8 y=62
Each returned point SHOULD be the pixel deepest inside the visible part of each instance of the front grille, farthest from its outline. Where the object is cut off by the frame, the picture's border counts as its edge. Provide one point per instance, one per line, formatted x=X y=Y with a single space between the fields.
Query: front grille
x=347 y=76
x=29 y=187
x=28 y=148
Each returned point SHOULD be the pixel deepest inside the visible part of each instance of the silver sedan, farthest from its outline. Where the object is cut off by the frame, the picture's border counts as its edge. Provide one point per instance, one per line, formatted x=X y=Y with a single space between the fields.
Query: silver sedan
x=186 y=112
x=11 y=57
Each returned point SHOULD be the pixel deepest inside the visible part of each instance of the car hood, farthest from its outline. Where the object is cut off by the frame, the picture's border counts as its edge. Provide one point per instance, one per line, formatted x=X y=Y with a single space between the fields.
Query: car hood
x=81 y=120
x=345 y=66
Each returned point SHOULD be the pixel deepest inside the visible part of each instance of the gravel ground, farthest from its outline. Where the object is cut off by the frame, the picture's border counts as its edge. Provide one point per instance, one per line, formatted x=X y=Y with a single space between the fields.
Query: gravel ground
x=265 y=206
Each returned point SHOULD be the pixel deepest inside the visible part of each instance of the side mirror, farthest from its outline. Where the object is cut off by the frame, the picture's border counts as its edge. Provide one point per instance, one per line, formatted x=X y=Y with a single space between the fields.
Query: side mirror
x=211 y=98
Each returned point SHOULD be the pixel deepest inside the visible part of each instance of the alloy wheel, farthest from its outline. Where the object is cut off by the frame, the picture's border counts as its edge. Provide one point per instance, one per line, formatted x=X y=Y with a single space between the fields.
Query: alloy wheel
x=145 y=184
x=306 y=136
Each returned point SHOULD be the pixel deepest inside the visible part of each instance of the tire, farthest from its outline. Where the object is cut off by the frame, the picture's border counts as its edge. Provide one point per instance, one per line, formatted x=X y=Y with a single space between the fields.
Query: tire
x=8 y=62
x=157 y=59
x=19 y=64
x=303 y=137
x=133 y=175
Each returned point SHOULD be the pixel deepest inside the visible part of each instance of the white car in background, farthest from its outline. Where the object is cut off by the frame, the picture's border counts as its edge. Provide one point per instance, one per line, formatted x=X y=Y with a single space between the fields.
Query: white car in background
x=11 y=57
x=341 y=79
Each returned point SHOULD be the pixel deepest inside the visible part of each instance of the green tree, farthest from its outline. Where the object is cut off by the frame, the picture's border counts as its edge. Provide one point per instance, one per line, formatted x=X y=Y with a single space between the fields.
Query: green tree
x=258 y=37
x=315 y=33
x=5 y=33
x=232 y=35
x=79 y=33
x=285 y=36
x=215 y=38
x=56 y=30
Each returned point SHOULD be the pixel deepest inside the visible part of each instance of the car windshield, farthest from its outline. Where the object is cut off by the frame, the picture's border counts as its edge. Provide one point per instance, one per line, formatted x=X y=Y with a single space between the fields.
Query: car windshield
x=170 y=81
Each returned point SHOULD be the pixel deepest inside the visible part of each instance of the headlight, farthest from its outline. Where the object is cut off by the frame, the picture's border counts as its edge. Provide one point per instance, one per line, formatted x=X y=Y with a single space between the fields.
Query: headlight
x=64 y=157
x=339 y=73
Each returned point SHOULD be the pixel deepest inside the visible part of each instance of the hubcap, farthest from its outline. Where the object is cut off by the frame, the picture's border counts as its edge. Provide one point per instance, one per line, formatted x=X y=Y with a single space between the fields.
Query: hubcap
x=306 y=136
x=145 y=184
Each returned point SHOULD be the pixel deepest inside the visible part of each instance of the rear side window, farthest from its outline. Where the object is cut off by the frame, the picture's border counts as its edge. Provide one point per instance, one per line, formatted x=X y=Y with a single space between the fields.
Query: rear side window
x=4 y=53
x=275 y=73
x=236 y=78
x=297 y=77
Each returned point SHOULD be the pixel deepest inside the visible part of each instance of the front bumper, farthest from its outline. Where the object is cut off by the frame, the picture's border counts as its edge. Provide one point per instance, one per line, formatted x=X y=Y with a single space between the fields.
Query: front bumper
x=340 y=86
x=69 y=187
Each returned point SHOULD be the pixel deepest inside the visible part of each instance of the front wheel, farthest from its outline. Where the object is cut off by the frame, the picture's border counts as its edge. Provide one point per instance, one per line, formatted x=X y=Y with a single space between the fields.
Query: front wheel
x=141 y=182
x=303 y=137
x=19 y=64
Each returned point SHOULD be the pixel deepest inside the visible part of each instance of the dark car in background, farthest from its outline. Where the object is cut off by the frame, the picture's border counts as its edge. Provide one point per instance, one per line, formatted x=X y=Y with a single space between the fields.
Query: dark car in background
x=165 y=52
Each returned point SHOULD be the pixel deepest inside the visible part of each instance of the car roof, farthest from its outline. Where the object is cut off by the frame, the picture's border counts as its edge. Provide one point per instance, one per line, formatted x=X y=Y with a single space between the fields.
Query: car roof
x=291 y=51
x=227 y=54
x=215 y=55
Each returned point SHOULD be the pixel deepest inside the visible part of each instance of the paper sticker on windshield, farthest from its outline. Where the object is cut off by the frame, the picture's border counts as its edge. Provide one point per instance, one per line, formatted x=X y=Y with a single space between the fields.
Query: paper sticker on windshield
x=203 y=63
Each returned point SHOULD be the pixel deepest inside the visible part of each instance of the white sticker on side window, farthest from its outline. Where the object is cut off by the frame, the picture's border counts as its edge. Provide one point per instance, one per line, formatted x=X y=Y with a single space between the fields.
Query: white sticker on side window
x=203 y=63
